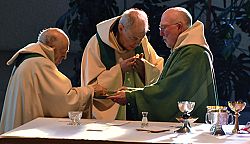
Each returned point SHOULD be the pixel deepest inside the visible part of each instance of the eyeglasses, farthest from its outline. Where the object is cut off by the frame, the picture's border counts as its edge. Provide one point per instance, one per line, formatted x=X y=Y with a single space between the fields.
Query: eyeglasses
x=163 y=27
x=134 y=38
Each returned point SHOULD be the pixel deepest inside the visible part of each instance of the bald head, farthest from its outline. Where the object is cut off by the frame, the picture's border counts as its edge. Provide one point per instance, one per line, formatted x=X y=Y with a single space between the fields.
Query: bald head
x=174 y=21
x=50 y=35
x=178 y=14
x=57 y=40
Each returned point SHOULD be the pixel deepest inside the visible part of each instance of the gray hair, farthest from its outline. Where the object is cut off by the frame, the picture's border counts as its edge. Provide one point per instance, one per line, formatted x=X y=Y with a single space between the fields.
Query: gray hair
x=50 y=35
x=131 y=16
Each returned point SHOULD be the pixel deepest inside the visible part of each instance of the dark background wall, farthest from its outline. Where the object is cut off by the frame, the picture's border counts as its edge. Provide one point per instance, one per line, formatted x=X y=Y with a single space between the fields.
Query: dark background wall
x=20 y=23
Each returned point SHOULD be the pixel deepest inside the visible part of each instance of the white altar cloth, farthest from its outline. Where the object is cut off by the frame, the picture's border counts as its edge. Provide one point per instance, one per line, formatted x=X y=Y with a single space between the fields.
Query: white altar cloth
x=121 y=131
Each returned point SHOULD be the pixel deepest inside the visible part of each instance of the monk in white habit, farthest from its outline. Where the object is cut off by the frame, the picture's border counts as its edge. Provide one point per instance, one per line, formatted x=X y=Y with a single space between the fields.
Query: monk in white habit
x=119 y=54
x=37 y=89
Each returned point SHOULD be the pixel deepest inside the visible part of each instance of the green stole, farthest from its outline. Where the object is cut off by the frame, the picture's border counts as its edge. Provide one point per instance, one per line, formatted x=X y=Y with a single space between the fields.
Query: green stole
x=108 y=53
x=108 y=59
x=23 y=56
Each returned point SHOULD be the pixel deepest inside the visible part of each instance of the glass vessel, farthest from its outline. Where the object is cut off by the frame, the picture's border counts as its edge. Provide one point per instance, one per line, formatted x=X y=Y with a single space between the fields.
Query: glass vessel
x=144 y=121
x=75 y=117
x=186 y=107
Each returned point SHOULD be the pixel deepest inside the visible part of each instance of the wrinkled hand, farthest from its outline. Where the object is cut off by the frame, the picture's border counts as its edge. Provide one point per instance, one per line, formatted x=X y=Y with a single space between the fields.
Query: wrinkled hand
x=119 y=97
x=99 y=90
x=139 y=66
x=135 y=62
x=127 y=64
x=140 y=56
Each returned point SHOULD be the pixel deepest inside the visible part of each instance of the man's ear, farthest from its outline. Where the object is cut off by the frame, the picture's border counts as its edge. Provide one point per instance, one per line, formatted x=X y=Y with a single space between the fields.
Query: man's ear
x=120 y=27
x=180 y=26
x=52 y=45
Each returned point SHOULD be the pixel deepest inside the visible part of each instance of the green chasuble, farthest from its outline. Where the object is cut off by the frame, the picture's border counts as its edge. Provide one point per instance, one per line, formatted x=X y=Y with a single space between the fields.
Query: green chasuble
x=187 y=76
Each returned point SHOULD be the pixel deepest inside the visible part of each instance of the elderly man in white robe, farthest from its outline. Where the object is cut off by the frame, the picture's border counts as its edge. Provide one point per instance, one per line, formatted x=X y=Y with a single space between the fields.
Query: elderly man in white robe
x=37 y=89
x=119 y=54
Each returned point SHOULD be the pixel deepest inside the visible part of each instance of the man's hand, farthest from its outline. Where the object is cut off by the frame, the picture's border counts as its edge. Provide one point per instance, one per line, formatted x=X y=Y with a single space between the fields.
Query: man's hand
x=119 y=97
x=134 y=63
x=127 y=64
x=99 y=90
x=139 y=66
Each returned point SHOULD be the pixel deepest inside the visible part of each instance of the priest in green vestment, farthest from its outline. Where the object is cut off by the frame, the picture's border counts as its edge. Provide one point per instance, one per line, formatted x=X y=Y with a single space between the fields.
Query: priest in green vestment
x=188 y=74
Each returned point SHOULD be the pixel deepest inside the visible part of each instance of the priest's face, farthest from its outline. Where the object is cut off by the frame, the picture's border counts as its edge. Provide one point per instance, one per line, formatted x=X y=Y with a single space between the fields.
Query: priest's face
x=170 y=28
x=61 y=49
x=130 y=37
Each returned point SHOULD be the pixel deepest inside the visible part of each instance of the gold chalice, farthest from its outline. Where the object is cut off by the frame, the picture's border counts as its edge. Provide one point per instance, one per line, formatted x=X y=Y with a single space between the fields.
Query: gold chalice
x=236 y=106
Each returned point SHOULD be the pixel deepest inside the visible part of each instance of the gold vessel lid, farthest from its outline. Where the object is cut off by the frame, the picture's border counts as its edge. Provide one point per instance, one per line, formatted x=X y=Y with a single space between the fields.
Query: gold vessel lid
x=217 y=108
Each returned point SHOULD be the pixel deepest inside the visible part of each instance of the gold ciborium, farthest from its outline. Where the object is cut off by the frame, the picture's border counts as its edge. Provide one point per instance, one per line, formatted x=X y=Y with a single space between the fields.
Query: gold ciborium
x=236 y=106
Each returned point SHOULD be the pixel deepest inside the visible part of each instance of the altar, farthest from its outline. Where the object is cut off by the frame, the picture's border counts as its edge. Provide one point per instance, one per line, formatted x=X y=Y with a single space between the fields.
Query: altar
x=58 y=130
